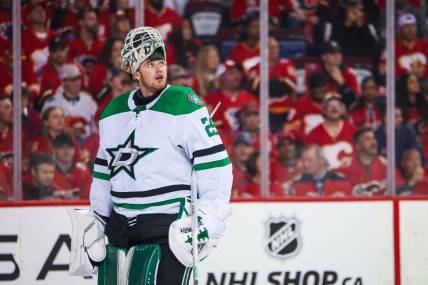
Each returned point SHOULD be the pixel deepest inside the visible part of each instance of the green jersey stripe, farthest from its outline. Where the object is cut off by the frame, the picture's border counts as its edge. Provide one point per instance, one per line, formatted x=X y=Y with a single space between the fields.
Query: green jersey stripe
x=101 y=176
x=149 y=205
x=212 y=164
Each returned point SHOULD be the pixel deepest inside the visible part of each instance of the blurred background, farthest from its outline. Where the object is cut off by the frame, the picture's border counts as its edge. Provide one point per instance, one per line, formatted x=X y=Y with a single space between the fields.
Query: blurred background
x=329 y=118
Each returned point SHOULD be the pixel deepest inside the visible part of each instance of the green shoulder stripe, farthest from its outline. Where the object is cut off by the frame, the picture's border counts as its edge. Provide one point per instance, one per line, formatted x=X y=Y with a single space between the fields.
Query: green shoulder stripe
x=117 y=105
x=178 y=100
x=100 y=175
x=212 y=164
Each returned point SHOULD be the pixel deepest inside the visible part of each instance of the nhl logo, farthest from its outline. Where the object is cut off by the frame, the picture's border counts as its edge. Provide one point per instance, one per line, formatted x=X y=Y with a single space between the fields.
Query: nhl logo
x=282 y=239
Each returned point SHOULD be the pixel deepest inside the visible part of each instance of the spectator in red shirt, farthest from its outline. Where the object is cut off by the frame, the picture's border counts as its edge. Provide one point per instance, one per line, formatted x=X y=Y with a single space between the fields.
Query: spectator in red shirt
x=252 y=187
x=231 y=96
x=340 y=78
x=101 y=72
x=316 y=179
x=366 y=112
x=207 y=62
x=247 y=50
x=36 y=37
x=53 y=124
x=58 y=52
x=288 y=165
x=367 y=170
x=87 y=44
x=118 y=83
x=308 y=110
x=411 y=52
x=410 y=98
x=335 y=134
x=282 y=85
x=279 y=68
x=412 y=179
x=163 y=18
x=72 y=180
x=240 y=152
x=38 y=185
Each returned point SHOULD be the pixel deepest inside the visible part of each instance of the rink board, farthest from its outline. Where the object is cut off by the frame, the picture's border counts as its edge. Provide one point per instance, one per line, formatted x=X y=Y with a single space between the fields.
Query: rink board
x=299 y=242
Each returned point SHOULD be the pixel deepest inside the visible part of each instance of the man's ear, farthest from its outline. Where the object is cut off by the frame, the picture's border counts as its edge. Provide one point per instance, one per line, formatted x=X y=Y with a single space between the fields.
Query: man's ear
x=137 y=76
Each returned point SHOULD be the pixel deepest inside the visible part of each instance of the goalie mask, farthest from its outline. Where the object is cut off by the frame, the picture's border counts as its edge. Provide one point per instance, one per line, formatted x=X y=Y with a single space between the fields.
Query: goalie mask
x=140 y=44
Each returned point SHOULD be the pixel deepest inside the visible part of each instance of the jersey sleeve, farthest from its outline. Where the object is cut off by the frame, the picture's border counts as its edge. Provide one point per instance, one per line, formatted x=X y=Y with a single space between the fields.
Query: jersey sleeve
x=210 y=160
x=100 y=188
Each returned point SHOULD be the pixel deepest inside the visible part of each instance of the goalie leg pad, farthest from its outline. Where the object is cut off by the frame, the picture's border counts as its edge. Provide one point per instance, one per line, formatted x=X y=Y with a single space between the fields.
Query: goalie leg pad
x=109 y=270
x=137 y=266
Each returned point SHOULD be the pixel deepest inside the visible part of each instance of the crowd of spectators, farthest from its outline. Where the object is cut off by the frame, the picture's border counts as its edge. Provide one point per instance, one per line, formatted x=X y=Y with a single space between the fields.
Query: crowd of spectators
x=327 y=90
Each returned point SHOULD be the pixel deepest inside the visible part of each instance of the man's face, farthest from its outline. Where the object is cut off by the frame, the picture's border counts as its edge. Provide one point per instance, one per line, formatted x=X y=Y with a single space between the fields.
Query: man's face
x=333 y=59
x=398 y=118
x=367 y=144
x=273 y=50
x=253 y=29
x=55 y=121
x=6 y=112
x=122 y=27
x=250 y=121
x=43 y=174
x=65 y=153
x=231 y=79
x=152 y=75
x=333 y=110
x=38 y=15
x=370 y=91
x=287 y=149
x=312 y=163
x=115 y=53
x=121 y=83
x=318 y=93
x=90 y=21
x=242 y=151
x=59 y=56
x=413 y=85
x=411 y=161
x=409 y=32
x=72 y=85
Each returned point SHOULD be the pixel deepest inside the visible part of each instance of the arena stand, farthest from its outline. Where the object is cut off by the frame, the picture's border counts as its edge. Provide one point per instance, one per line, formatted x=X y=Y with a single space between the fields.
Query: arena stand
x=327 y=127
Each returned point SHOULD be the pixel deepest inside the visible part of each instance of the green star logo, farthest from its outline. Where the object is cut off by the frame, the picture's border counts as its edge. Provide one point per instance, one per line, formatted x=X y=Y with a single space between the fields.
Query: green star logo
x=125 y=156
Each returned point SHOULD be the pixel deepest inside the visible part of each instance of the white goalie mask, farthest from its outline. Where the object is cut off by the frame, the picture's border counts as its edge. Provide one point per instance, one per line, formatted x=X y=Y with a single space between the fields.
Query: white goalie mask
x=140 y=43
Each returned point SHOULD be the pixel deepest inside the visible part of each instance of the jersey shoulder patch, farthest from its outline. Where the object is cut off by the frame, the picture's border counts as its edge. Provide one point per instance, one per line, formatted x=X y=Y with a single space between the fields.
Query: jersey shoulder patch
x=178 y=100
x=117 y=105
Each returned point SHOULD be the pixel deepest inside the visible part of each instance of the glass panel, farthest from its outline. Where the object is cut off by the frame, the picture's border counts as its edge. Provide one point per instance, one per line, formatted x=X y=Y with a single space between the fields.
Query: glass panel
x=327 y=94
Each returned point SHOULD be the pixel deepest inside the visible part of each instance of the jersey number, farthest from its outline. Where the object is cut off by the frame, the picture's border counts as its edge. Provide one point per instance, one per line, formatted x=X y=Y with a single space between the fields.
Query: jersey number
x=209 y=126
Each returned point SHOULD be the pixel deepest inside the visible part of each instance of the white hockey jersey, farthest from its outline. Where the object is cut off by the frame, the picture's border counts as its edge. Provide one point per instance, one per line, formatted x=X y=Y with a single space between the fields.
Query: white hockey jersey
x=147 y=153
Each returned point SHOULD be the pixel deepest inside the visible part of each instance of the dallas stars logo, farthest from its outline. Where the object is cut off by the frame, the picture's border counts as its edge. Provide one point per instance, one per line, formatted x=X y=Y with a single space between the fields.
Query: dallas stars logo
x=125 y=156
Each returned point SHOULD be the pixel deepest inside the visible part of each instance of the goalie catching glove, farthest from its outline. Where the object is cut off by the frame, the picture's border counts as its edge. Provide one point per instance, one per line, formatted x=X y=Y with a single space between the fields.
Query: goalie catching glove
x=87 y=243
x=210 y=229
